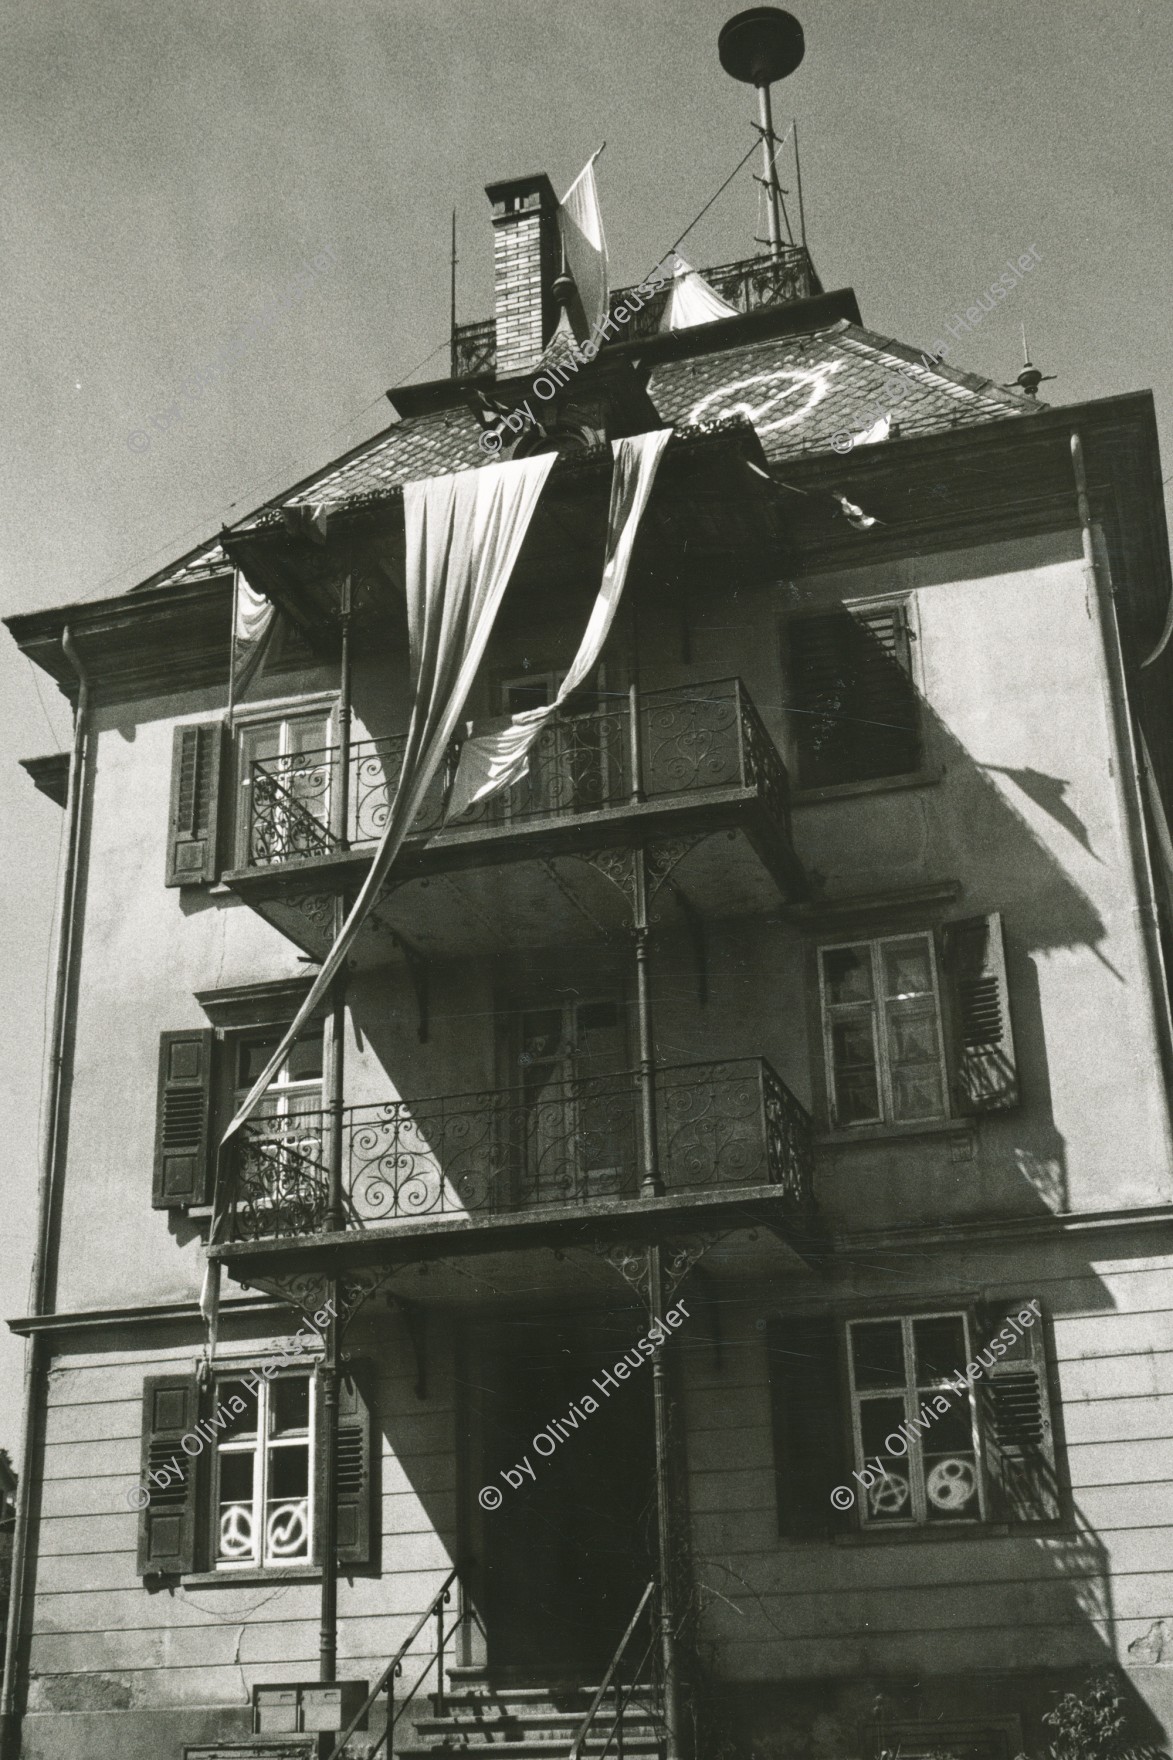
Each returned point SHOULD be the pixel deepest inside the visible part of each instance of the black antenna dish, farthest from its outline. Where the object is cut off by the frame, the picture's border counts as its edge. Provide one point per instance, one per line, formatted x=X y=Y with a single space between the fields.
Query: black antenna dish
x=761 y=45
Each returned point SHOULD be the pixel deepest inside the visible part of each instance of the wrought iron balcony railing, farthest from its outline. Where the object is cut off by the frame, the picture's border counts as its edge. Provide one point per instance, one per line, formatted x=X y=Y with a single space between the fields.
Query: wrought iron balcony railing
x=693 y=738
x=719 y=1125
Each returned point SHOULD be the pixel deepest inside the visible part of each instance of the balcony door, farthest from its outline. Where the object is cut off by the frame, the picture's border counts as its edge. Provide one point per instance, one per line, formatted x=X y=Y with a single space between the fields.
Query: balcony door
x=283 y=768
x=576 y=1100
x=570 y=766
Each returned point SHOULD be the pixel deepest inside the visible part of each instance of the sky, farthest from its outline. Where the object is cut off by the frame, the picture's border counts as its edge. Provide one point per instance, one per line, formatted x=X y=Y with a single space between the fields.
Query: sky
x=169 y=166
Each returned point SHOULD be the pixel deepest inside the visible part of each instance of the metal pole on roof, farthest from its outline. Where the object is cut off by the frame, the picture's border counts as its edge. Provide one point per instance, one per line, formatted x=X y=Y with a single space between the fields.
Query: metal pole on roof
x=758 y=47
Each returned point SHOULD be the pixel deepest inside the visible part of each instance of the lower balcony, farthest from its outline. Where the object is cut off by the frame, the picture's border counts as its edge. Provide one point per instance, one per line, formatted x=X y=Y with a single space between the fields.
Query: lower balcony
x=481 y=1172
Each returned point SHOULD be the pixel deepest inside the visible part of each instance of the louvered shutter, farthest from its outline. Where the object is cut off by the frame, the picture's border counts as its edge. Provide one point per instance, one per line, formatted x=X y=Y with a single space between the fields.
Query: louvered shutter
x=985 y=1075
x=810 y=1457
x=855 y=709
x=195 y=791
x=183 y=1119
x=1015 y=1407
x=355 y=1479
x=167 y=1525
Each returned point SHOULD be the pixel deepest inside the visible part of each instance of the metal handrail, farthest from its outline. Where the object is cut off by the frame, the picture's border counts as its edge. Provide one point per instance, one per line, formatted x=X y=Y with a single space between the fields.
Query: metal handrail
x=436 y=1610
x=602 y=1690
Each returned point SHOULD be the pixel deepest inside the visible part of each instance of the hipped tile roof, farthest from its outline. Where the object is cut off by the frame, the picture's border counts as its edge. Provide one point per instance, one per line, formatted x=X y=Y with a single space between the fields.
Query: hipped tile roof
x=802 y=392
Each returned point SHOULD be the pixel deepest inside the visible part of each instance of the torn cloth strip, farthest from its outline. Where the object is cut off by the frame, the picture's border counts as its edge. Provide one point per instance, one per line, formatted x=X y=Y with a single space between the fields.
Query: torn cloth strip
x=491 y=762
x=253 y=621
x=463 y=534
x=580 y=222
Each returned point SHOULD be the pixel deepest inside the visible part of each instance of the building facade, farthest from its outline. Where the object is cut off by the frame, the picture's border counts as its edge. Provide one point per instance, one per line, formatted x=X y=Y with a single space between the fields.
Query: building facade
x=801 y=1018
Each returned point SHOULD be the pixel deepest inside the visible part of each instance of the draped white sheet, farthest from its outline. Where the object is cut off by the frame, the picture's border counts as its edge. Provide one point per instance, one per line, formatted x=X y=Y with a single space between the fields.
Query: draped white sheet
x=463 y=534
x=253 y=620
x=692 y=301
x=490 y=762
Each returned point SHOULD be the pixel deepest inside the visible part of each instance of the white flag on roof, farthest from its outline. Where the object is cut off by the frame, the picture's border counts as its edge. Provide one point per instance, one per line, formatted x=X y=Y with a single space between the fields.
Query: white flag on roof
x=580 y=221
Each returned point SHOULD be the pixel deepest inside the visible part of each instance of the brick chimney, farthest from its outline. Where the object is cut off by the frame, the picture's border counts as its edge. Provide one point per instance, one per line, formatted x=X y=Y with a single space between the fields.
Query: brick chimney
x=526 y=258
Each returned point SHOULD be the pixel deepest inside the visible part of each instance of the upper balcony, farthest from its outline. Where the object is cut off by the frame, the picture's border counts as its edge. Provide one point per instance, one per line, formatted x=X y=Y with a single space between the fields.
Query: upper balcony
x=674 y=766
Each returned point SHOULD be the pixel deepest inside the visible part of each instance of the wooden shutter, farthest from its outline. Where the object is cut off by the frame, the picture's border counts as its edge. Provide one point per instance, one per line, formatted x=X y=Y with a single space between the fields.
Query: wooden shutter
x=1015 y=1407
x=985 y=1075
x=810 y=1458
x=851 y=687
x=195 y=791
x=356 y=1489
x=167 y=1525
x=183 y=1119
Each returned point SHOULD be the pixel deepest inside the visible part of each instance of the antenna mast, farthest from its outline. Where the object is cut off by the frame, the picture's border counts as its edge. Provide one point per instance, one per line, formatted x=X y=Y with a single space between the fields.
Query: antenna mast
x=759 y=47
x=452 y=363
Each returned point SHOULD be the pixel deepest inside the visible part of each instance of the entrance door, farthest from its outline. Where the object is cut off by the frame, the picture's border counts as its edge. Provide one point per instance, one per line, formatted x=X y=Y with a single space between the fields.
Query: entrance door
x=577 y=1111
x=569 y=1552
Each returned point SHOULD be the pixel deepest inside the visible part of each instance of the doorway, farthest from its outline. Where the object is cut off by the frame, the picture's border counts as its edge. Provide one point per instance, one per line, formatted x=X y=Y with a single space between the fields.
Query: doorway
x=570 y=1550
x=567 y=1061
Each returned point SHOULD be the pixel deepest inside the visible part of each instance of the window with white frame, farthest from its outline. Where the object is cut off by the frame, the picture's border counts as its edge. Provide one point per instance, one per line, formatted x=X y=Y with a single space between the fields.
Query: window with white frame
x=285 y=771
x=263 y=1494
x=916 y=1435
x=882 y=1037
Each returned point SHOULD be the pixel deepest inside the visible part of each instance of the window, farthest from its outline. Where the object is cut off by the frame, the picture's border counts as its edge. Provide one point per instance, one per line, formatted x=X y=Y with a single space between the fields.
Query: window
x=927 y=1471
x=263 y=1472
x=231 y=1471
x=296 y=1089
x=913 y=1421
x=853 y=706
x=882 y=1031
x=282 y=1142
x=284 y=771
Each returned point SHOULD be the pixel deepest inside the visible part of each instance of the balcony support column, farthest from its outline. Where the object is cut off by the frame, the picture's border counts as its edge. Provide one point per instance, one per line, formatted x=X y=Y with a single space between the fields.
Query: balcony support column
x=335 y=1078
x=651 y=1185
x=342 y=793
x=665 y=1510
x=326 y=1520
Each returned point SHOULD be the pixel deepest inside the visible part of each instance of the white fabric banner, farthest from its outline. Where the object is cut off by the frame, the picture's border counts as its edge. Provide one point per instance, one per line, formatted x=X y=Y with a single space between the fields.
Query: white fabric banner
x=463 y=534
x=692 y=301
x=252 y=625
x=490 y=762
x=580 y=221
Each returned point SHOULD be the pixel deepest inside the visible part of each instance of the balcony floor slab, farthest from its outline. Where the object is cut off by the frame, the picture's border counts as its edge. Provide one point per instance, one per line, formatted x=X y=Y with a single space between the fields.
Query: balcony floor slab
x=511 y=887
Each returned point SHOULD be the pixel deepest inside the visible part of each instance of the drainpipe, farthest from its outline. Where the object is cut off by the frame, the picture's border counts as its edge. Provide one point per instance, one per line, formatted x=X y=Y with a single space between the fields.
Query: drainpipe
x=1129 y=785
x=36 y=1355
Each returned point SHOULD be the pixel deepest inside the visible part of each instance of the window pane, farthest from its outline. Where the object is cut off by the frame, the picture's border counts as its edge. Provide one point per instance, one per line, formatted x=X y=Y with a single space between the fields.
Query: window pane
x=289 y=1403
x=853 y=1056
x=877 y=1355
x=236 y=1423
x=304 y=1062
x=906 y=968
x=889 y=1497
x=309 y=733
x=235 y=1537
x=252 y=1057
x=914 y=1052
x=287 y=1528
x=951 y=1484
x=847 y=972
x=939 y=1345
